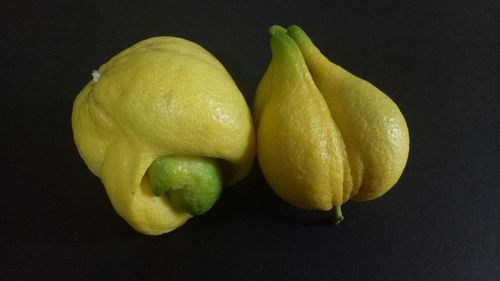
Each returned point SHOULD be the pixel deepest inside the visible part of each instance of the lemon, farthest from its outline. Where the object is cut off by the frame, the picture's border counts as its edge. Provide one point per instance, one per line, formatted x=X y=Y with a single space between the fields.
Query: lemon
x=324 y=136
x=164 y=96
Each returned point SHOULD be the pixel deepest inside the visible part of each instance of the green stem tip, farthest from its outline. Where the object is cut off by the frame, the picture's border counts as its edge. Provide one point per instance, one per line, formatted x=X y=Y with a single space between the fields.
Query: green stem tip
x=338 y=215
x=192 y=183
x=276 y=29
x=298 y=35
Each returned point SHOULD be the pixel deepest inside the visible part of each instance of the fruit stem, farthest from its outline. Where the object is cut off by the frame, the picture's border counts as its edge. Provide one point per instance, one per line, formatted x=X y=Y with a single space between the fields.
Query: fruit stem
x=276 y=29
x=338 y=215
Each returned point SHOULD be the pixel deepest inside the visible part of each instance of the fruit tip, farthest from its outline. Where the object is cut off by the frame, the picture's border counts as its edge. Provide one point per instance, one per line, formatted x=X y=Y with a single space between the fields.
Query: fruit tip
x=298 y=35
x=276 y=29
x=294 y=28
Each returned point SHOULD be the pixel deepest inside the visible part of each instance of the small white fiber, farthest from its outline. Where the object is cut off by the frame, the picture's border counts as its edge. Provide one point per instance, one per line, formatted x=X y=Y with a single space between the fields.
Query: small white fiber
x=96 y=75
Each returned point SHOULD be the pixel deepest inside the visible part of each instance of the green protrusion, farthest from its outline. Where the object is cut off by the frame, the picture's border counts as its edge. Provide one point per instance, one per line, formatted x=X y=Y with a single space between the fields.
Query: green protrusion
x=284 y=47
x=298 y=34
x=276 y=29
x=338 y=215
x=287 y=61
x=192 y=183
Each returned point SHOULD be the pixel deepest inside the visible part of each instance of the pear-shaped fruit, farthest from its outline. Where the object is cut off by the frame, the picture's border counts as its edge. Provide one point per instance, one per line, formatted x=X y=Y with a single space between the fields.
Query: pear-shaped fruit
x=324 y=136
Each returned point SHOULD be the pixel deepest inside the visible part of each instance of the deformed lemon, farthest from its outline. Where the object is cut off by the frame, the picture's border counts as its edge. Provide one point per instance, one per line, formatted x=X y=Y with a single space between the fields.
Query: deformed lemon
x=164 y=96
x=324 y=136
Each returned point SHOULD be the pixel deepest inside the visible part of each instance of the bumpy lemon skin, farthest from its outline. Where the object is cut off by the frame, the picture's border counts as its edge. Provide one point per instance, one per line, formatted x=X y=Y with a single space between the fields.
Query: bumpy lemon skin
x=162 y=96
x=370 y=135
x=374 y=129
x=299 y=147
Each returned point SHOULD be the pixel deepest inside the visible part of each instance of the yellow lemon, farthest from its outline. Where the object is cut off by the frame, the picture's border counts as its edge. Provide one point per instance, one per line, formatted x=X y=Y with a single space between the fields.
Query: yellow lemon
x=168 y=101
x=324 y=136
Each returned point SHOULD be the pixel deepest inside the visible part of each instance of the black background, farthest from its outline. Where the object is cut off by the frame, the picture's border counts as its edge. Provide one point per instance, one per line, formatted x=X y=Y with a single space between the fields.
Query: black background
x=438 y=61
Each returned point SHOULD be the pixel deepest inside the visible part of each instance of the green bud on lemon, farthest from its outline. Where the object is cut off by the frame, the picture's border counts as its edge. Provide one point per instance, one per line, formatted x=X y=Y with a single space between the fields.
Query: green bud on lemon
x=193 y=184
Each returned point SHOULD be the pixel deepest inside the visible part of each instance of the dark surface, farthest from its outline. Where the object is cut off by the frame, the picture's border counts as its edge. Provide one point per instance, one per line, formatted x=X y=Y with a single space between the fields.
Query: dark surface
x=439 y=62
